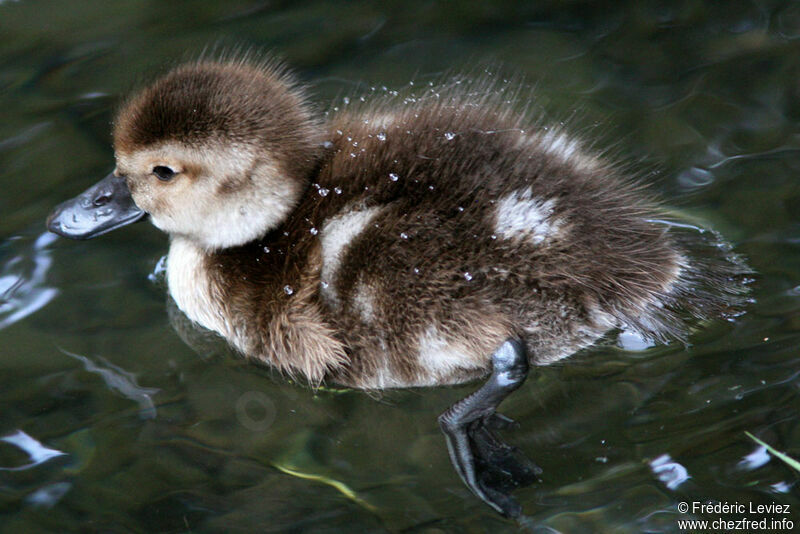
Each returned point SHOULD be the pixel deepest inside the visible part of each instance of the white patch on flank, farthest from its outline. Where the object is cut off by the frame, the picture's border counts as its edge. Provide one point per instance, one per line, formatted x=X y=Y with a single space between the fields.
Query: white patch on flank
x=336 y=235
x=384 y=379
x=558 y=144
x=364 y=302
x=438 y=356
x=194 y=293
x=382 y=120
x=521 y=215
x=439 y=359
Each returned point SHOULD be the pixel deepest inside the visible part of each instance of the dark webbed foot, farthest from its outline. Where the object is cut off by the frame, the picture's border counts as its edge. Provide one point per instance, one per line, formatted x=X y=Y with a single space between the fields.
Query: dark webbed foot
x=489 y=467
x=500 y=466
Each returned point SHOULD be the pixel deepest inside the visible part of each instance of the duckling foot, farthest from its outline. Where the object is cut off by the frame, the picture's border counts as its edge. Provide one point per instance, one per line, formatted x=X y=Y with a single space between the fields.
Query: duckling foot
x=489 y=467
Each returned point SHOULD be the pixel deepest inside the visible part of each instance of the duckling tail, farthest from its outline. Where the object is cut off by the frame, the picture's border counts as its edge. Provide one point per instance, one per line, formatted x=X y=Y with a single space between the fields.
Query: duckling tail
x=712 y=282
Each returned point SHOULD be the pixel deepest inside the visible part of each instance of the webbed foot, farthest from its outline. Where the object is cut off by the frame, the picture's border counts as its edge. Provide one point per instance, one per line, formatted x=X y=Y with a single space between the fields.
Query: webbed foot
x=489 y=467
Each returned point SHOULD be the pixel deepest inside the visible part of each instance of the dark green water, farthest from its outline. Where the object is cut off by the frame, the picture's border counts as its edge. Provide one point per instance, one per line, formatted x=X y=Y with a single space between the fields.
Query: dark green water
x=148 y=436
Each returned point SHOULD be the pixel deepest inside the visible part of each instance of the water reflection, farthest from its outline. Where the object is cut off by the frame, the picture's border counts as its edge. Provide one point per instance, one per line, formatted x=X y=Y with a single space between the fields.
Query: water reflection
x=25 y=137
x=633 y=341
x=22 y=280
x=48 y=496
x=755 y=459
x=37 y=453
x=695 y=177
x=781 y=487
x=670 y=472
x=120 y=381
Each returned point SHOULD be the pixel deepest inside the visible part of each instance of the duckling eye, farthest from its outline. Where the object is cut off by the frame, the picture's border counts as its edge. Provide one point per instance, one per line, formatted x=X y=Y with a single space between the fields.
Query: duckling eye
x=163 y=173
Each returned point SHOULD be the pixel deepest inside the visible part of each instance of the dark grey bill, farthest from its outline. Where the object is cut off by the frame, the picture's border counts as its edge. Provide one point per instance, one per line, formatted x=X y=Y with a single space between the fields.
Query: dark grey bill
x=105 y=206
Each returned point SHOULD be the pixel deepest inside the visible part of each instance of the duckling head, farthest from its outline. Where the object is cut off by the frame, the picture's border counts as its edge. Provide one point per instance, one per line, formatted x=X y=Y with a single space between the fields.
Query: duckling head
x=215 y=152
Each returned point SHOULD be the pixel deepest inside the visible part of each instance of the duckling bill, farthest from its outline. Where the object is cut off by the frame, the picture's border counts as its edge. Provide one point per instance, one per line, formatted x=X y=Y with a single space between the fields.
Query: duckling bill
x=409 y=242
x=104 y=207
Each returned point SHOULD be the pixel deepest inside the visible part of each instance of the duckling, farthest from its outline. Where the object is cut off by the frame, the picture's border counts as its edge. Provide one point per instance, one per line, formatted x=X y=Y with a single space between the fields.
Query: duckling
x=420 y=242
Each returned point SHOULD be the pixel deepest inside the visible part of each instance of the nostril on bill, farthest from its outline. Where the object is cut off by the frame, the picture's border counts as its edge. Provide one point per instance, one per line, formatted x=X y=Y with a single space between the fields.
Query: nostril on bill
x=102 y=199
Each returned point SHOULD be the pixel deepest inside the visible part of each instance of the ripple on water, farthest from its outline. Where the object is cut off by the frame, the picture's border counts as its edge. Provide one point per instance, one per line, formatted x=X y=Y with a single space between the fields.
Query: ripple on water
x=121 y=382
x=695 y=177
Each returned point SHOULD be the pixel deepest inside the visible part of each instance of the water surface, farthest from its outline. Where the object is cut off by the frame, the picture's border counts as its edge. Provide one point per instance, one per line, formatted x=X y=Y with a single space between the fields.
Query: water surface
x=110 y=422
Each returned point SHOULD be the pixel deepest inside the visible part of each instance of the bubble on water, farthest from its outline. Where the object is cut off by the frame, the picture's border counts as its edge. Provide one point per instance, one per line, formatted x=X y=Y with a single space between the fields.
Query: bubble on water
x=381 y=136
x=159 y=271
x=266 y=250
x=393 y=176
x=323 y=192
x=449 y=136
x=314 y=231
x=403 y=235
x=416 y=270
x=631 y=340
x=468 y=276
x=288 y=290
x=337 y=190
